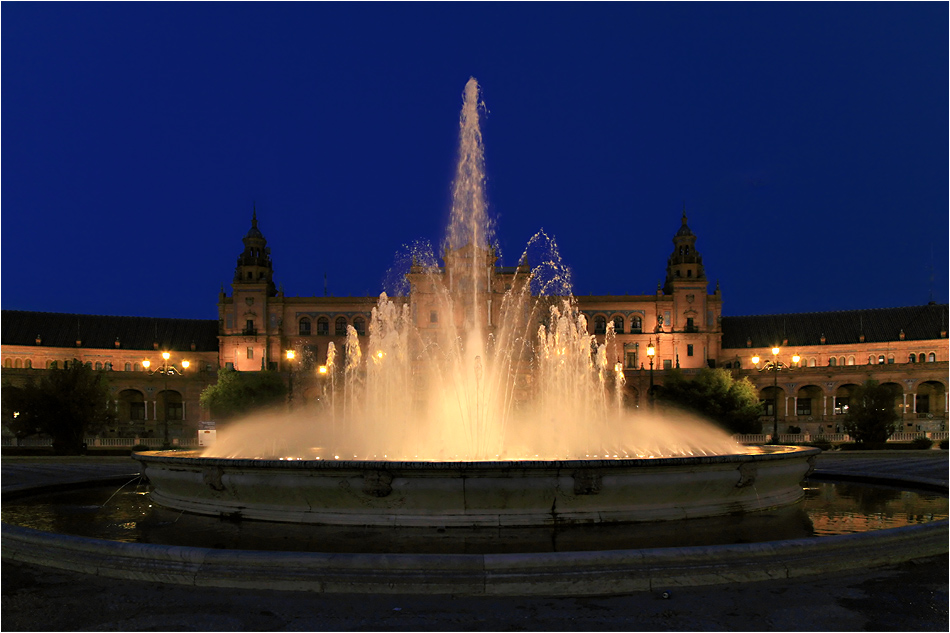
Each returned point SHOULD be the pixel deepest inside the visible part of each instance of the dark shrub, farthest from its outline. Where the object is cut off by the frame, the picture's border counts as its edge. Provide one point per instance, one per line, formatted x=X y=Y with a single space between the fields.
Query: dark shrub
x=921 y=443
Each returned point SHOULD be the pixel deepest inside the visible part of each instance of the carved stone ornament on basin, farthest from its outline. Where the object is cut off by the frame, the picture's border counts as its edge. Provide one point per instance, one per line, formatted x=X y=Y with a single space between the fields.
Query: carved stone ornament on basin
x=504 y=493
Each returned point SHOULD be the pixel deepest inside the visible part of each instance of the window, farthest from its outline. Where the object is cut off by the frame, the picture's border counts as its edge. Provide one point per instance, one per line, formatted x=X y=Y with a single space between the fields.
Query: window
x=803 y=406
x=768 y=406
x=841 y=406
x=8 y=363
x=433 y=316
x=136 y=410
x=600 y=324
x=890 y=359
x=922 y=403
x=340 y=326
x=920 y=358
x=249 y=326
x=832 y=361
x=689 y=272
x=880 y=359
x=931 y=357
x=98 y=365
x=323 y=326
x=359 y=323
x=303 y=328
x=811 y=362
x=618 y=324
x=689 y=350
x=636 y=324
x=841 y=360
x=229 y=365
x=175 y=411
x=29 y=363
x=128 y=367
x=667 y=364
x=689 y=326
x=250 y=352
x=913 y=358
x=850 y=360
x=631 y=360
x=137 y=367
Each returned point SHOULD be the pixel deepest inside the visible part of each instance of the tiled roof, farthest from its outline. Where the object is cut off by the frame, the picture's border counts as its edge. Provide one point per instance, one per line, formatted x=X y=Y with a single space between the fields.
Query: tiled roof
x=844 y=327
x=57 y=329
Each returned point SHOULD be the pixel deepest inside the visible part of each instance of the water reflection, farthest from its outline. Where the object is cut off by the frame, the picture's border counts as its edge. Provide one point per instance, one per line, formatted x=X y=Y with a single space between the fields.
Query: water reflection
x=829 y=508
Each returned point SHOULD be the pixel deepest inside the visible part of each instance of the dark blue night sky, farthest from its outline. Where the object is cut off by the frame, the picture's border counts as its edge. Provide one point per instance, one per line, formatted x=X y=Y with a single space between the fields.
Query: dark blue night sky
x=808 y=142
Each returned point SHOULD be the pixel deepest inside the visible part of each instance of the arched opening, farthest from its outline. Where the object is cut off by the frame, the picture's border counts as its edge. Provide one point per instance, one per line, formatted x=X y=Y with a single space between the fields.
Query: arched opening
x=303 y=328
x=323 y=325
x=636 y=324
x=340 y=326
x=772 y=400
x=618 y=324
x=170 y=405
x=131 y=406
x=359 y=324
x=600 y=324
x=930 y=405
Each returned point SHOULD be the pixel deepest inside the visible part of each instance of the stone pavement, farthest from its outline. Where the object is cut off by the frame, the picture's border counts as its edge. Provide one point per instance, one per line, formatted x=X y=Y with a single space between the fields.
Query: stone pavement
x=910 y=597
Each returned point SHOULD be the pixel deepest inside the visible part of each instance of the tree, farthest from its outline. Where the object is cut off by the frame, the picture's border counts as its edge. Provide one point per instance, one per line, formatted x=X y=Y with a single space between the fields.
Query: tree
x=237 y=392
x=716 y=395
x=871 y=416
x=65 y=404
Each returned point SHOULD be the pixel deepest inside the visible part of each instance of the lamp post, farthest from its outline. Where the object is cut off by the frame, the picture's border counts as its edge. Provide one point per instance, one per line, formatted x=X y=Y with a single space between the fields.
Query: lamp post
x=775 y=366
x=165 y=369
x=651 y=352
x=290 y=355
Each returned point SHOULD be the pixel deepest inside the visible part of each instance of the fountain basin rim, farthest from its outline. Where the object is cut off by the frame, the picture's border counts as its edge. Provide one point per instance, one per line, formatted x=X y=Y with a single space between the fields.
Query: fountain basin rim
x=768 y=453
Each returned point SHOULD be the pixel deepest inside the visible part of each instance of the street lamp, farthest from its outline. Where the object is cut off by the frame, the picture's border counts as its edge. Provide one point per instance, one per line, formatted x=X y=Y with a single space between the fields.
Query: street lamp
x=774 y=366
x=651 y=352
x=165 y=369
x=290 y=355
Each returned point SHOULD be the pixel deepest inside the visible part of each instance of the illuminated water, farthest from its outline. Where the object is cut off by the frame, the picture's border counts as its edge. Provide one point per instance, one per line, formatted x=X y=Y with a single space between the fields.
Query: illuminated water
x=484 y=364
x=829 y=508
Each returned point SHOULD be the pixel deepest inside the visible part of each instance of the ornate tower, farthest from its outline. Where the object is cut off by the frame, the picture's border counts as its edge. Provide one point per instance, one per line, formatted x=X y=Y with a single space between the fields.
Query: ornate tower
x=685 y=264
x=254 y=265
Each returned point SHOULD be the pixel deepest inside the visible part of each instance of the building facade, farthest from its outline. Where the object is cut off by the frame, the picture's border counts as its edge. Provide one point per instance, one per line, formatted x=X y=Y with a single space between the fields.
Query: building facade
x=683 y=321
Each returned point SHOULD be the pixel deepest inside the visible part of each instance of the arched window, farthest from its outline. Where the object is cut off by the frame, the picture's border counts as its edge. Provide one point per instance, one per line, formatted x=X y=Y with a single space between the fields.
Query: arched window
x=600 y=324
x=618 y=324
x=18 y=363
x=636 y=324
x=137 y=367
x=52 y=364
x=832 y=361
x=920 y=357
x=931 y=357
x=128 y=367
x=29 y=363
x=304 y=327
x=98 y=365
x=880 y=359
x=323 y=326
x=340 y=328
x=913 y=358
x=8 y=363
x=811 y=362
x=890 y=359
x=359 y=323
x=850 y=360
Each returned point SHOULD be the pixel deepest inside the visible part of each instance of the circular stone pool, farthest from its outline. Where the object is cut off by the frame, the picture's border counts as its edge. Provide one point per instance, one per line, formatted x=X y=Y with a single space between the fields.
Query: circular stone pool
x=828 y=508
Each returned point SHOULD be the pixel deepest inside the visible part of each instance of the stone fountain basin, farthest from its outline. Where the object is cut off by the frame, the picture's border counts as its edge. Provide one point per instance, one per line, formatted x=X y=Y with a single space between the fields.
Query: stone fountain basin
x=476 y=493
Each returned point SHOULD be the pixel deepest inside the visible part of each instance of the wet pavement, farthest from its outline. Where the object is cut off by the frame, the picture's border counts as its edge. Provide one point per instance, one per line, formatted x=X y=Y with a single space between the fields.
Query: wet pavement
x=909 y=597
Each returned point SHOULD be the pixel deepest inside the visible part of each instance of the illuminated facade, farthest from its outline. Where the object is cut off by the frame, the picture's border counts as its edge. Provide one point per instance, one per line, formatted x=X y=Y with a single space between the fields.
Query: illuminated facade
x=905 y=347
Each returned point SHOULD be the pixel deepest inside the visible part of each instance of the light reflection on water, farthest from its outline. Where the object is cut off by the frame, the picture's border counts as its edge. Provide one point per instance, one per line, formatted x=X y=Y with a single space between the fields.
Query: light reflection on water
x=828 y=508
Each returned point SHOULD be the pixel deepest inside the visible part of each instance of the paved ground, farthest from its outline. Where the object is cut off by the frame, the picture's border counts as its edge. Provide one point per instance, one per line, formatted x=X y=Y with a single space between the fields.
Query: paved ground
x=911 y=597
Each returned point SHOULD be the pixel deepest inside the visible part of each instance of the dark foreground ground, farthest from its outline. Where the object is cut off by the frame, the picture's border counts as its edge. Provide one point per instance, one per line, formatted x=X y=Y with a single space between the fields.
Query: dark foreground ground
x=910 y=597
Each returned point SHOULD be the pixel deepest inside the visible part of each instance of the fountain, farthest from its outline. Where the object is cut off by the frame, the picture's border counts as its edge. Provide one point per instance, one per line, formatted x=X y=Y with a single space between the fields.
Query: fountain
x=479 y=399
